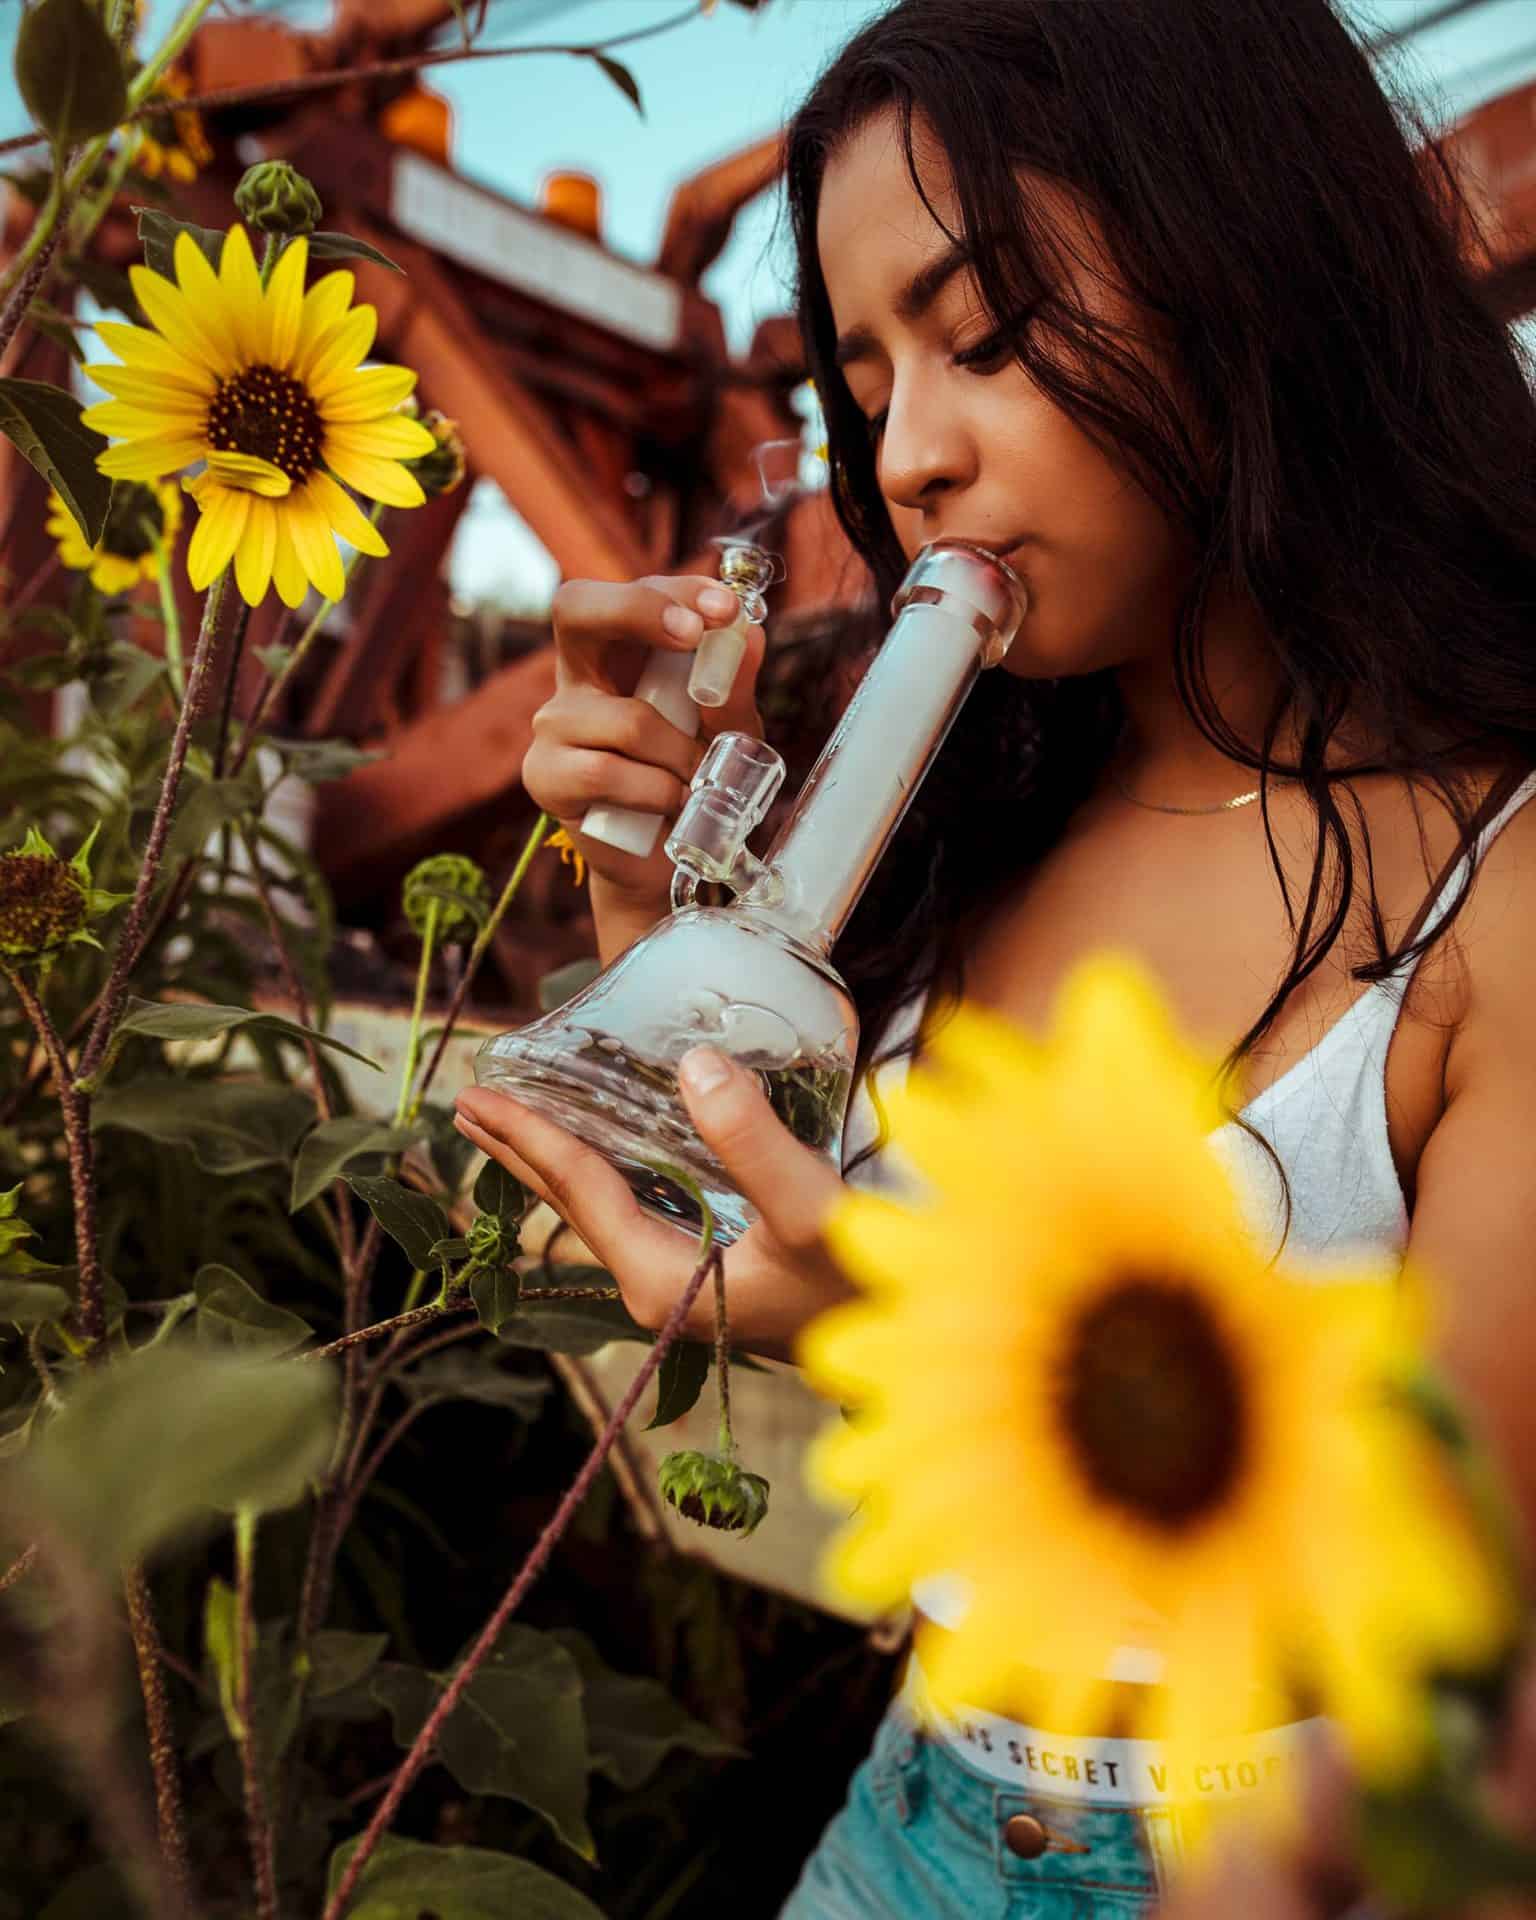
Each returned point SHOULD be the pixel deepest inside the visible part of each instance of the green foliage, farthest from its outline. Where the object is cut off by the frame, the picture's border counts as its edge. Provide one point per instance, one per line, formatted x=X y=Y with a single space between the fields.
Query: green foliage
x=68 y=71
x=406 y=1879
x=158 y=231
x=333 y=1145
x=160 y=1442
x=622 y=78
x=43 y=424
x=679 y=1381
x=230 y=1313
x=414 y=1220
x=342 y=246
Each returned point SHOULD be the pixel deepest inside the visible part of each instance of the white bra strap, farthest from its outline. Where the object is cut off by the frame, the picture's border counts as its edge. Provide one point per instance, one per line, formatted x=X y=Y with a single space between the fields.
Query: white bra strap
x=1474 y=854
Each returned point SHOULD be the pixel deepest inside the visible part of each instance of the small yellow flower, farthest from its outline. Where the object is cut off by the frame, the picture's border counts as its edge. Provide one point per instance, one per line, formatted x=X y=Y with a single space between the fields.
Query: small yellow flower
x=1077 y=1384
x=172 y=142
x=570 y=853
x=263 y=385
x=125 y=553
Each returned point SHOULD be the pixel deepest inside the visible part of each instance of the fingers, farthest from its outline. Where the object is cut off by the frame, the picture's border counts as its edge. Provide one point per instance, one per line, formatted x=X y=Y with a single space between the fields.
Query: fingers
x=792 y=1188
x=650 y=1261
x=604 y=628
x=566 y=780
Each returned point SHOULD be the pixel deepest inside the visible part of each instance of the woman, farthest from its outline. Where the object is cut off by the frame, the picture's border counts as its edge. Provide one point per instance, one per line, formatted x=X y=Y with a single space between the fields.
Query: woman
x=1158 y=298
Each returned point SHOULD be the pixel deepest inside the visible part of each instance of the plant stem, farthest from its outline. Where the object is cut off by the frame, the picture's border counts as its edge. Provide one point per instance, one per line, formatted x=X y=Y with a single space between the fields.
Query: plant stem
x=295 y=660
x=258 y=1824
x=170 y=615
x=726 y=1439
x=396 y=1325
x=128 y=939
x=227 y=697
x=21 y=280
x=534 y=841
x=413 y=1037
x=90 y=1302
x=162 y=1739
x=19 y=1568
x=426 y=1740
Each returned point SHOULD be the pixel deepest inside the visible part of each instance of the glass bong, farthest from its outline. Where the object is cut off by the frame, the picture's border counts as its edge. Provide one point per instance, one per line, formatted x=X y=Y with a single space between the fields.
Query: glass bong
x=753 y=978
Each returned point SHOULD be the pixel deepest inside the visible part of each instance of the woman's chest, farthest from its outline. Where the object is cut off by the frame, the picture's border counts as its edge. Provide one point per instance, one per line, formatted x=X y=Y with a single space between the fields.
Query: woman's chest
x=1204 y=914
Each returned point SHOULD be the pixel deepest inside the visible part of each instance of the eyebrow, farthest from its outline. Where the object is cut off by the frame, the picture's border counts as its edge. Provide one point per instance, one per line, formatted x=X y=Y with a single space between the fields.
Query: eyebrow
x=914 y=300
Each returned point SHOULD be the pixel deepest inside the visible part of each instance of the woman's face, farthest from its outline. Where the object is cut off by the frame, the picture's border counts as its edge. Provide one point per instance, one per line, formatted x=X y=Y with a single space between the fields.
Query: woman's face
x=966 y=443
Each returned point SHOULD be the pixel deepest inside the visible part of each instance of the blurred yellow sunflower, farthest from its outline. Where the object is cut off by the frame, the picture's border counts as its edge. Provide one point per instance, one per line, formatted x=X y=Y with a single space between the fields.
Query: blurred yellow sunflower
x=570 y=854
x=264 y=386
x=172 y=141
x=125 y=553
x=1076 y=1384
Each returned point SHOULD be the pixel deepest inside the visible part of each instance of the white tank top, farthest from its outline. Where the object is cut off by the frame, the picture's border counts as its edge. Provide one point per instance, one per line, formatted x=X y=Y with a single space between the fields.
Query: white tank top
x=1325 y=1117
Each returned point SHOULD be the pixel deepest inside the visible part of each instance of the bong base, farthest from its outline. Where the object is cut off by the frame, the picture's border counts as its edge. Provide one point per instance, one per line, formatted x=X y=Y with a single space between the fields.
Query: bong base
x=629 y=1112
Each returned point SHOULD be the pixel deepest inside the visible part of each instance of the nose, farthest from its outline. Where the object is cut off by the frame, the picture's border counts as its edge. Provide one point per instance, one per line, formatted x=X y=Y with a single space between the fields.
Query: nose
x=926 y=454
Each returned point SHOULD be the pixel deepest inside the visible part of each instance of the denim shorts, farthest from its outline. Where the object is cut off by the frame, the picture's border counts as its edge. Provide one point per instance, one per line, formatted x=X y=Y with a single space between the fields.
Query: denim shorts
x=922 y=1837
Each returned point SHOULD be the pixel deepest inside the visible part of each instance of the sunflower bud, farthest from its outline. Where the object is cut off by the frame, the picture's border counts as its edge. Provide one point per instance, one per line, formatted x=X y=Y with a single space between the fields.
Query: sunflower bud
x=443 y=469
x=713 y=1490
x=273 y=198
x=45 y=902
x=491 y=1243
x=454 y=885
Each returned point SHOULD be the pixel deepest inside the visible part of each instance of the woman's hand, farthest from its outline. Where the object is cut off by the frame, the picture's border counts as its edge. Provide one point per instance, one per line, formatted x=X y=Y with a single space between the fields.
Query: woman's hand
x=594 y=744
x=778 y=1275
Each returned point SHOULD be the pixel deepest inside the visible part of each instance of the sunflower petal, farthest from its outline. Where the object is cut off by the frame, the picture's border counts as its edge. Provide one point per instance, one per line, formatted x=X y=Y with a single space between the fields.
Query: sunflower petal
x=256 y=552
x=315 y=546
x=287 y=575
x=243 y=297
x=362 y=395
x=378 y=479
x=217 y=533
x=325 y=306
x=138 y=347
x=285 y=302
x=344 y=515
x=250 y=473
x=392 y=438
x=205 y=295
x=188 y=387
x=169 y=310
x=149 y=459
x=341 y=348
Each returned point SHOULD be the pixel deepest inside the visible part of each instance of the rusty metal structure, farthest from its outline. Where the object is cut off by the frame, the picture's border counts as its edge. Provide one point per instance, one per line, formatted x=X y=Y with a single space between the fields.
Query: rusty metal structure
x=598 y=394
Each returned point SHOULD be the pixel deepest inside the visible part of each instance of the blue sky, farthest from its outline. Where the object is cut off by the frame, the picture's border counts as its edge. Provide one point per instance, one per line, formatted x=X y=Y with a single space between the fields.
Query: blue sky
x=710 y=87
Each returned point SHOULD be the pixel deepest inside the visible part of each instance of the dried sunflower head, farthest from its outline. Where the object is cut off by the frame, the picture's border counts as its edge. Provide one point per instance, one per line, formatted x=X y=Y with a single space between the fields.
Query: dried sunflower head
x=46 y=903
x=711 y=1489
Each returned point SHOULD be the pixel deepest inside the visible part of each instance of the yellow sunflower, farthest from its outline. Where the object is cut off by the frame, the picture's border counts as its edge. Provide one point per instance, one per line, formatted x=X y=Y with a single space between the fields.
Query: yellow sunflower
x=265 y=387
x=125 y=553
x=172 y=142
x=570 y=854
x=1076 y=1385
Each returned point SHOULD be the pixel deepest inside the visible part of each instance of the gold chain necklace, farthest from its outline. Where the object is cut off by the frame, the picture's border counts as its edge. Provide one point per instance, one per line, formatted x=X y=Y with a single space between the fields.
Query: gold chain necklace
x=1221 y=806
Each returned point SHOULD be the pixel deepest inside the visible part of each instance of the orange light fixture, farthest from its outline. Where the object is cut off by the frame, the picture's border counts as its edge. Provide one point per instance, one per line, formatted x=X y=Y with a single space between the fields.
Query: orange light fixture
x=575 y=200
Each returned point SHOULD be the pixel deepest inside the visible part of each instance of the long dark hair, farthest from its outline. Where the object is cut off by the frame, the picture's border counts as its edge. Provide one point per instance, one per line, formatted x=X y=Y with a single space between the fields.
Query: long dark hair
x=1364 y=467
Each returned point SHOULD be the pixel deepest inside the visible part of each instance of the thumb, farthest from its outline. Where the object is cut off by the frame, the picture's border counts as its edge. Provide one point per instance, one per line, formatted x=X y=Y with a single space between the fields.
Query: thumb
x=739 y=714
x=792 y=1188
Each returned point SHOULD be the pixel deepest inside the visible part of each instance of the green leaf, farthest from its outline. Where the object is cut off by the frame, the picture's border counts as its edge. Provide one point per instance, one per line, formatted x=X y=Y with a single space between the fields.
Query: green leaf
x=405 y=1879
x=122 y=678
x=158 y=231
x=230 y=1313
x=621 y=77
x=341 y=246
x=451 y=1152
x=27 y=1303
x=221 y=1648
x=412 y=1218
x=273 y=658
x=501 y=1195
x=204 y=807
x=43 y=424
x=69 y=72
x=680 y=1380
x=162 y=1021
x=319 y=760
x=340 y=1660
x=518 y=1731
x=328 y=1148
x=567 y=981
x=495 y=1294
x=227 y=1126
x=572 y=1326
x=148 y=1444
x=108 y=286
x=633 y=1723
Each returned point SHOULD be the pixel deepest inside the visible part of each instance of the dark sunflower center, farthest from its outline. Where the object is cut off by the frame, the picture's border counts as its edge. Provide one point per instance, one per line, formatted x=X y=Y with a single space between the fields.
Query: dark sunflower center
x=1152 y=1403
x=133 y=512
x=270 y=414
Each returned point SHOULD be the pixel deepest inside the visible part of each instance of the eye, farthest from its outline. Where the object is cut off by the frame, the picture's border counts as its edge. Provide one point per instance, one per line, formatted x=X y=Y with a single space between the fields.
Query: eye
x=988 y=355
